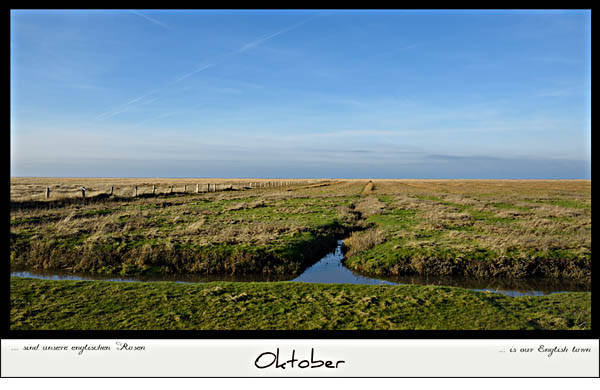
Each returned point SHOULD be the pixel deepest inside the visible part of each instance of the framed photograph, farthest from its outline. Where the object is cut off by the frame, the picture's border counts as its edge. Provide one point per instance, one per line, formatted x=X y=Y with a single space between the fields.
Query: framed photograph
x=300 y=193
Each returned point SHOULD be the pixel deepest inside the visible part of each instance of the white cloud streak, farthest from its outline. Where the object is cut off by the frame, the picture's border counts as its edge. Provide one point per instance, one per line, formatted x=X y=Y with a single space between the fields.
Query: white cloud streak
x=265 y=38
x=213 y=62
x=127 y=106
x=243 y=48
x=200 y=69
x=141 y=15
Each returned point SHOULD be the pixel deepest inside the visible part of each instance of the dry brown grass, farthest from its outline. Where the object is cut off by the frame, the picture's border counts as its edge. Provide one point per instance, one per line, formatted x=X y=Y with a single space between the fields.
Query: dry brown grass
x=433 y=217
x=33 y=188
x=362 y=241
x=524 y=227
x=370 y=205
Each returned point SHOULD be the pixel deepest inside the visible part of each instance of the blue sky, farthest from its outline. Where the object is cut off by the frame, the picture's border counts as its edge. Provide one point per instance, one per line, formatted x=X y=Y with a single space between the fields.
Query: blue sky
x=301 y=93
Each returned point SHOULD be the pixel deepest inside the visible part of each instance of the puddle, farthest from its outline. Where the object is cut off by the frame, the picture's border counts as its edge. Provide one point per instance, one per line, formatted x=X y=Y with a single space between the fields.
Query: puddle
x=331 y=270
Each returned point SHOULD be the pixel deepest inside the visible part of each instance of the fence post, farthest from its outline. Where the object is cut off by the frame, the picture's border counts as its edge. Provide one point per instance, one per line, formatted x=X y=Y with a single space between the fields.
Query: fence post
x=111 y=191
x=197 y=188
x=83 y=192
x=136 y=191
x=47 y=192
x=184 y=188
x=171 y=189
x=153 y=189
x=215 y=187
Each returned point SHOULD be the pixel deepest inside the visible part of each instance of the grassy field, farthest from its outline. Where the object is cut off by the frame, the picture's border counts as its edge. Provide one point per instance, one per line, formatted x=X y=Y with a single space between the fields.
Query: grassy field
x=485 y=229
x=508 y=229
x=272 y=230
x=93 y=305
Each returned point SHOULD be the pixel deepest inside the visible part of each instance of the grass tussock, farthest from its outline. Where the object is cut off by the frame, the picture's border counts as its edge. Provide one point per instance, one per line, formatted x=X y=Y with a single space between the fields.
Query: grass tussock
x=362 y=241
x=370 y=205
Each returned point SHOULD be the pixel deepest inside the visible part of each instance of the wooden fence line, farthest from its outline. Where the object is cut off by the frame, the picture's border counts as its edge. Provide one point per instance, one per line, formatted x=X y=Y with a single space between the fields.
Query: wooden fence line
x=214 y=186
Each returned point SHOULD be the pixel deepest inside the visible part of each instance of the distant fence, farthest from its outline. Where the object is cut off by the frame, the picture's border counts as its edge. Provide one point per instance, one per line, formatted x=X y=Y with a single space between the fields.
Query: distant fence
x=139 y=191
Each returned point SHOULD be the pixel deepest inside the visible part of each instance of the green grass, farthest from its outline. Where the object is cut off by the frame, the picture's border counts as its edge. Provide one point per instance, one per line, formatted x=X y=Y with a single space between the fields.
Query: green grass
x=204 y=233
x=517 y=230
x=568 y=203
x=501 y=229
x=481 y=228
x=94 y=305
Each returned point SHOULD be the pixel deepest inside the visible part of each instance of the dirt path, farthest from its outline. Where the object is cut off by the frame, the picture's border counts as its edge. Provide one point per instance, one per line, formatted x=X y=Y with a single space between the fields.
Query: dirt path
x=369 y=188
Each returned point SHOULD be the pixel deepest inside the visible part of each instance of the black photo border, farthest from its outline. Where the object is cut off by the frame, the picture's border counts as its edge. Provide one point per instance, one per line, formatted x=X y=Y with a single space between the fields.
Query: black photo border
x=349 y=335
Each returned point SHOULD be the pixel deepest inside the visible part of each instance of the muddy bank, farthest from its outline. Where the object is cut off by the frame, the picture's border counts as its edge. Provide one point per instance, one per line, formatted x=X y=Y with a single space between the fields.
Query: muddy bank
x=481 y=265
x=289 y=258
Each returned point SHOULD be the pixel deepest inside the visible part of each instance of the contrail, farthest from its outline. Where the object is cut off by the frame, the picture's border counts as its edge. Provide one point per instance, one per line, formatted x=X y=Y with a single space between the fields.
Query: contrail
x=259 y=41
x=243 y=48
x=150 y=19
x=127 y=106
x=185 y=76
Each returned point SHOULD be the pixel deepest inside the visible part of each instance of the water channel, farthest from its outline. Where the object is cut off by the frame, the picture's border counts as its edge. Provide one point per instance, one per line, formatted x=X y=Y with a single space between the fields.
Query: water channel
x=330 y=269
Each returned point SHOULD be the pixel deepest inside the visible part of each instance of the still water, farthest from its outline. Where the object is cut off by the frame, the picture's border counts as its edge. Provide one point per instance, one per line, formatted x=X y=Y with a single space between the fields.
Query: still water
x=330 y=269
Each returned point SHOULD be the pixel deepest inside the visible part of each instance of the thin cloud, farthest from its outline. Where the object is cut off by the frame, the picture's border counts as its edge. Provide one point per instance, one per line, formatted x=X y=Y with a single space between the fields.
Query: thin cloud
x=243 y=48
x=127 y=106
x=559 y=60
x=158 y=22
x=456 y=158
x=263 y=39
x=200 y=69
x=168 y=114
x=217 y=60
x=556 y=92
